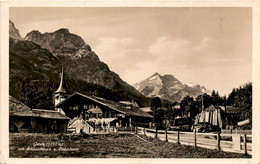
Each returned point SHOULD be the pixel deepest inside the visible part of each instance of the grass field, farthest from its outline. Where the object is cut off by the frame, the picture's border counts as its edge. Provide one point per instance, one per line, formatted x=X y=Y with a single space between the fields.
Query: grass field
x=26 y=145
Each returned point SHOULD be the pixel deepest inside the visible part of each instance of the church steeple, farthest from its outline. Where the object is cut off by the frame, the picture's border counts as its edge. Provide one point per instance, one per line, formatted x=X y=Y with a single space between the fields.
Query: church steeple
x=62 y=88
x=61 y=92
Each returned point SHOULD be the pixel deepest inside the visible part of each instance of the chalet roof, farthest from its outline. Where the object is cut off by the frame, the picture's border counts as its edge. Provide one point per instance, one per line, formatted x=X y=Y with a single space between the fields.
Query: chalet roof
x=129 y=103
x=146 y=109
x=48 y=114
x=211 y=108
x=17 y=108
x=107 y=103
x=230 y=109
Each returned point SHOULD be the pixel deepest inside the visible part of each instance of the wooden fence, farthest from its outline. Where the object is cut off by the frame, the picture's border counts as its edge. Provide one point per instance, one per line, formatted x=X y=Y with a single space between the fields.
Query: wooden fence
x=239 y=143
x=235 y=131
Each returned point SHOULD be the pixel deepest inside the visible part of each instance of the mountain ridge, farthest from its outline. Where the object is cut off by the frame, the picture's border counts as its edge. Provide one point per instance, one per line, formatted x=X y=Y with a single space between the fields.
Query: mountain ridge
x=168 y=87
x=13 y=31
x=37 y=59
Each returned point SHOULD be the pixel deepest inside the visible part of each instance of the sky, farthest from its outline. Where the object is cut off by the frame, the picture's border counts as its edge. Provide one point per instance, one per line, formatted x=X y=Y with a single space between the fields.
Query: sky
x=207 y=46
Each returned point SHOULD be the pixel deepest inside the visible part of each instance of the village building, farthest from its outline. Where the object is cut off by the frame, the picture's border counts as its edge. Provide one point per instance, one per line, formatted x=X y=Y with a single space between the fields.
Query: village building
x=24 y=119
x=102 y=111
x=230 y=116
x=87 y=111
x=213 y=115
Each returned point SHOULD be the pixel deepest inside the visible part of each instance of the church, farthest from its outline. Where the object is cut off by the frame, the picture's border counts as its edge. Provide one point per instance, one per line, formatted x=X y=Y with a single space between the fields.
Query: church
x=89 y=110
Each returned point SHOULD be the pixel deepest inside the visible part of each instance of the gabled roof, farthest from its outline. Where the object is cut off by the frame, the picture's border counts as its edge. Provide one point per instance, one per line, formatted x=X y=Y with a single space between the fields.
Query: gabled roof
x=107 y=103
x=17 y=108
x=49 y=114
x=212 y=108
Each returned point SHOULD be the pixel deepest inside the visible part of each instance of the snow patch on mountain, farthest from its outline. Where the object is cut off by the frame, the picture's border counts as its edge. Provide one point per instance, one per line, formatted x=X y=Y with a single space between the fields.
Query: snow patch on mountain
x=168 y=87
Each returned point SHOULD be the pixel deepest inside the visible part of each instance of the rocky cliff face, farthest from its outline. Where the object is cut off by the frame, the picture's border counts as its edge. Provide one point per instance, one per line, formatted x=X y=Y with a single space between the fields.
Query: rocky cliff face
x=13 y=31
x=35 y=64
x=168 y=87
x=80 y=61
x=59 y=43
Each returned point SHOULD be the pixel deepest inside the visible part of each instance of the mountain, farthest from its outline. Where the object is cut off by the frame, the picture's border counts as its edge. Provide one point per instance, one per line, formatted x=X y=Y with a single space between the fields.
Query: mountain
x=81 y=62
x=13 y=31
x=59 y=43
x=35 y=64
x=168 y=87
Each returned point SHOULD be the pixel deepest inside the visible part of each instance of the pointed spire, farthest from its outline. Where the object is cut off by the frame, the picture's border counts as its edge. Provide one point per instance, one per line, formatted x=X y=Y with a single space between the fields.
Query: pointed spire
x=62 y=88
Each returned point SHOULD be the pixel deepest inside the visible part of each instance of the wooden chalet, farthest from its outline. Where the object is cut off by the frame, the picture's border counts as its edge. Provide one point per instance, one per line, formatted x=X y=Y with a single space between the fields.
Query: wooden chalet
x=88 y=107
x=230 y=115
x=24 y=119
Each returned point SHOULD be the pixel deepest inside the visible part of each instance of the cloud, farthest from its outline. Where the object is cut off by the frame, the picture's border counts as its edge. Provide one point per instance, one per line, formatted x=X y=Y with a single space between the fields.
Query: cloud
x=110 y=47
x=168 y=45
x=204 y=43
x=119 y=54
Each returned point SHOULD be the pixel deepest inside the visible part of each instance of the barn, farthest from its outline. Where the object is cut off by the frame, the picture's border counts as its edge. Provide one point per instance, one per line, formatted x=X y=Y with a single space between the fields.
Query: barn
x=212 y=115
x=24 y=119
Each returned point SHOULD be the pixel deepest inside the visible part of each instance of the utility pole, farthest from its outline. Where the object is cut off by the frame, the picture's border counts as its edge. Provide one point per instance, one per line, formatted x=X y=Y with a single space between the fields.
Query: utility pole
x=202 y=105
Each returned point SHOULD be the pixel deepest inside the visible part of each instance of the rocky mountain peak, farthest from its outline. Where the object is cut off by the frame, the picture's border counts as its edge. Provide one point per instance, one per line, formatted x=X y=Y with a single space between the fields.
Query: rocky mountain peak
x=170 y=78
x=59 y=43
x=63 y=31
x=168 y=87
x=13 y=31
x=156 y=74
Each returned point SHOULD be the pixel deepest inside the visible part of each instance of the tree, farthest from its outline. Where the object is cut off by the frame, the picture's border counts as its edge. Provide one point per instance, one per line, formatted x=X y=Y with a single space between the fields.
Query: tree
x=204 y=100
x=242 y=99
x=216 y=99
x=169 y=116
x=187 y=107
x=155 y=105
x=34 y=97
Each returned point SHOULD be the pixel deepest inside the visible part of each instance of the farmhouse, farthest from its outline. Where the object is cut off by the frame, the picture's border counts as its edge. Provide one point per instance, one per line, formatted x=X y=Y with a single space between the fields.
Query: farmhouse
x=85 y=110
x=230 y=115
x=97 y=109
x=24 y=119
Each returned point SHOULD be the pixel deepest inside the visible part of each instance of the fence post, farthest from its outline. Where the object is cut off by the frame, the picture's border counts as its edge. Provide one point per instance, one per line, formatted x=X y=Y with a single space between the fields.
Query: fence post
x=136 y=130
x=195 y=139
x=245 y=144
x=144 y=131
x=117 y=129
x=156 y=133
x=178 y=137
x=218 y=141
x=166 y=135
